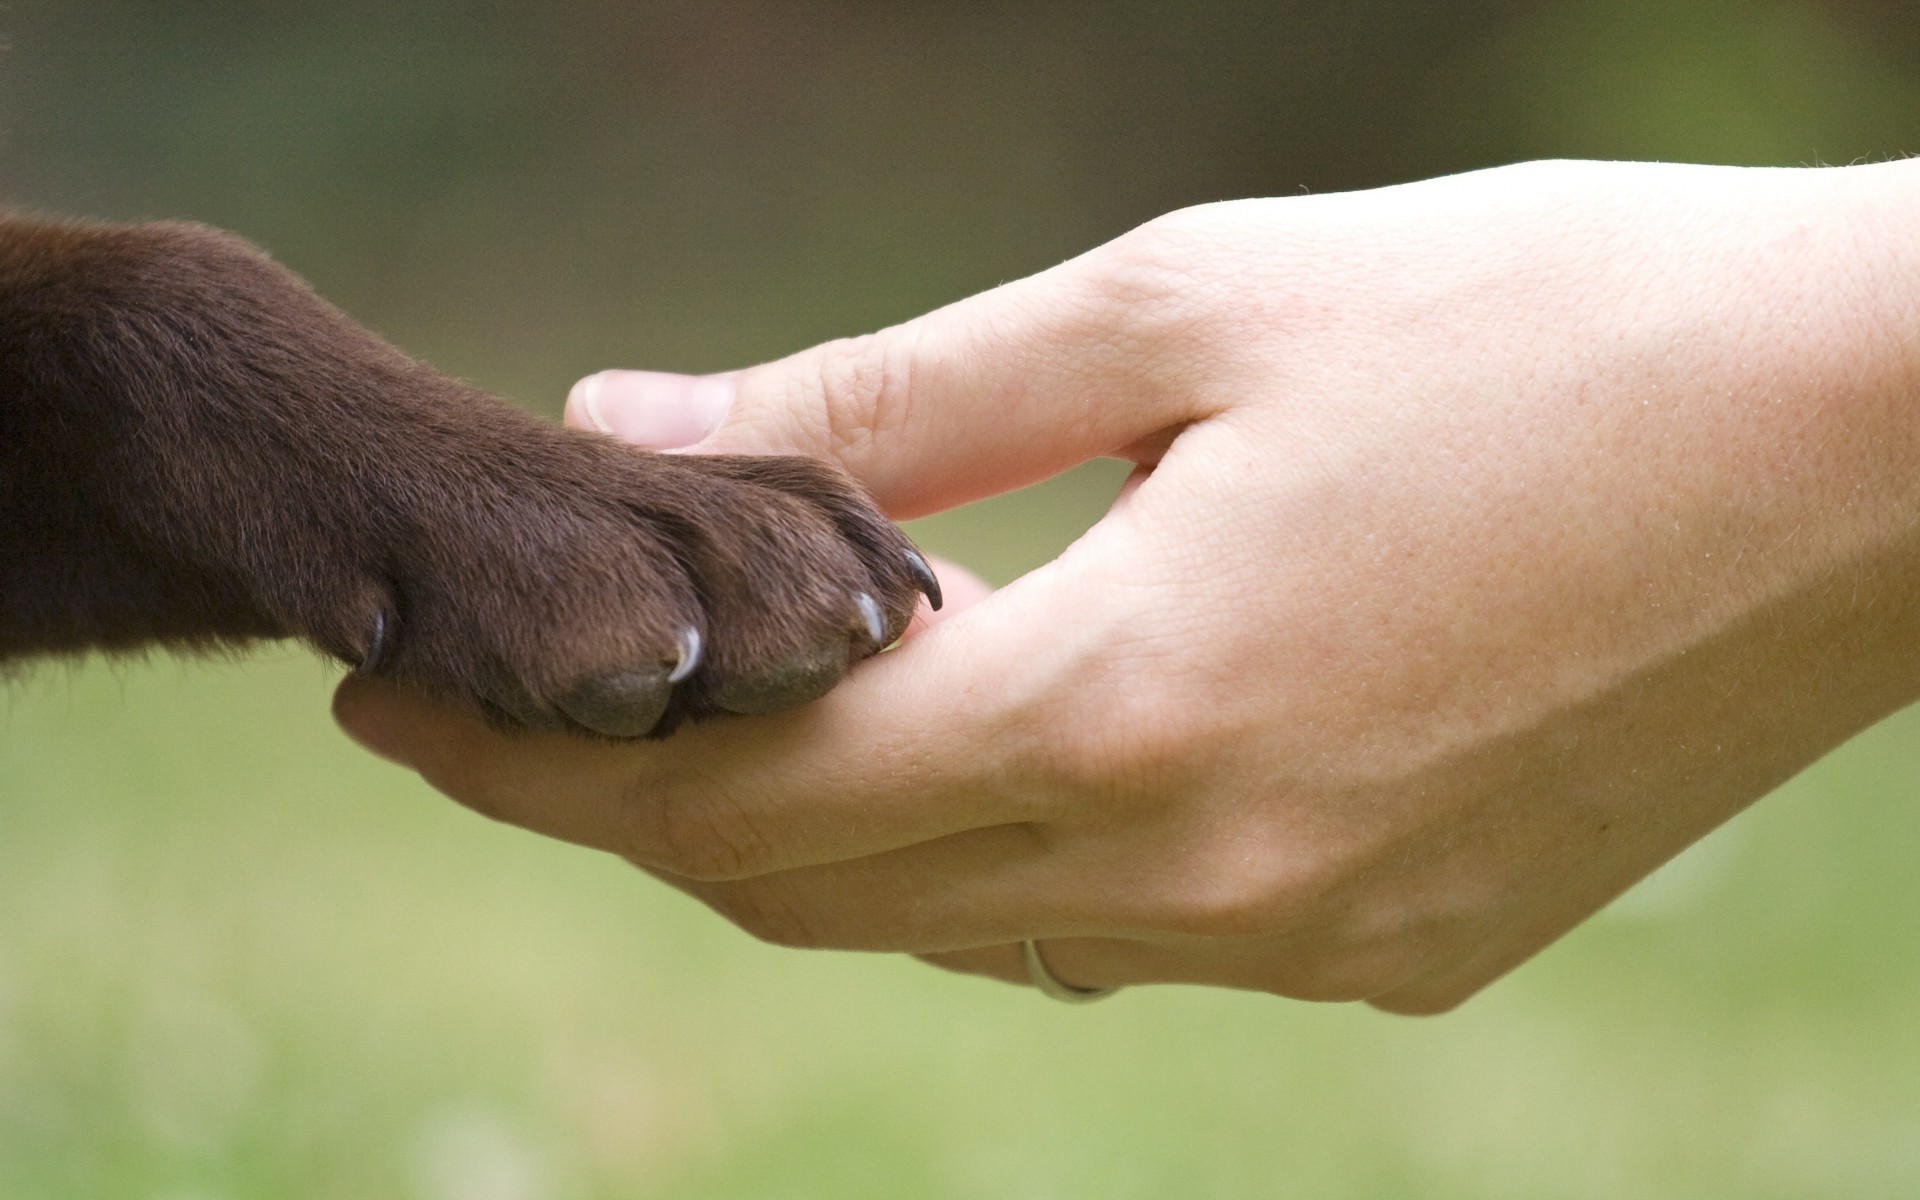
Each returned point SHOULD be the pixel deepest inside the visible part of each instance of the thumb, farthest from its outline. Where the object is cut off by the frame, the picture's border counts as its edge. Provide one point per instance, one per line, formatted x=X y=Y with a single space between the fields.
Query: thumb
x=991 y=393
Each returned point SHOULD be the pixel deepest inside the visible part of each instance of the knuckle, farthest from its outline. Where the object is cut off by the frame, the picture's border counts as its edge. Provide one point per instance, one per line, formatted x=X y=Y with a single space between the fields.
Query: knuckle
x=1241 y=881
x=864 y=385
x=1149 y=272
x=1165 y=274
x=1235 y=895
x=1216 y=911
x=1076 y=740
x=1102 y=745
x=698 y=833
x=1222 y=283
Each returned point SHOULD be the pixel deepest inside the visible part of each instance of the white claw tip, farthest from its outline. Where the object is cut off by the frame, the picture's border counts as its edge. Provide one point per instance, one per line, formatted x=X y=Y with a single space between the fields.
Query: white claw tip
x=870 y=613
x=690 y=647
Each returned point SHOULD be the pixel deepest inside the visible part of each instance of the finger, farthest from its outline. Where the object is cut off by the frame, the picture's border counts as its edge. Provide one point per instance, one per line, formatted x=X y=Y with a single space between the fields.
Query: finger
x=1281 y=966
x=712 y=802
x=996 y=391
x=1104 y=963
x=856 y=773
x=1000 y=961
x=990 y=962
x=974 y=888
x=985 y=887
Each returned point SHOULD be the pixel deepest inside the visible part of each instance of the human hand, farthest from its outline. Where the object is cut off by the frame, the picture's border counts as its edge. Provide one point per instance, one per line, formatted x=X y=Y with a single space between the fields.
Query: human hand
x=1493 y=539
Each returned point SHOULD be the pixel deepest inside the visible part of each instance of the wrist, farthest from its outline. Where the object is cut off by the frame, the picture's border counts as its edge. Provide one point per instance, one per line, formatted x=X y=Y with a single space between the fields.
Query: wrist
x=1824 y=430
x=1845 y=338
x=1891 y=245
x=1870 y=348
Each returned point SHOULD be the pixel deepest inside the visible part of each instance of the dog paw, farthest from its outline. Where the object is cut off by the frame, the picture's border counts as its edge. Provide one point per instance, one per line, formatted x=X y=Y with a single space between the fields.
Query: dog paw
x=584 y=586
x=213 y=454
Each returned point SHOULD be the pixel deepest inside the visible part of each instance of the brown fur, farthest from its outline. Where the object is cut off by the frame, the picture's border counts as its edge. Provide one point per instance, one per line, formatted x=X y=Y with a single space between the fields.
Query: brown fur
x=195 y=449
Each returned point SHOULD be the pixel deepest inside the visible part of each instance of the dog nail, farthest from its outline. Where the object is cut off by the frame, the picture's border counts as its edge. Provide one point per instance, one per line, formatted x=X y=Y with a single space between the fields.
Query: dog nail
x=870 y=613
x=690 y=650
x=377 y=648
x=923 y=575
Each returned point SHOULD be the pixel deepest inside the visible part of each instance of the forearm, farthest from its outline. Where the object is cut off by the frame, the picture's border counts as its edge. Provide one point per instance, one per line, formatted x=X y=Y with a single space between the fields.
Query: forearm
x=110 y=480
x=163 y=395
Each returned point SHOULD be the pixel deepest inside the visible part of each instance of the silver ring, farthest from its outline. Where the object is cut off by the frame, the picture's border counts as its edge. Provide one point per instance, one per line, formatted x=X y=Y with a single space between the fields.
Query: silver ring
x=1049 y=984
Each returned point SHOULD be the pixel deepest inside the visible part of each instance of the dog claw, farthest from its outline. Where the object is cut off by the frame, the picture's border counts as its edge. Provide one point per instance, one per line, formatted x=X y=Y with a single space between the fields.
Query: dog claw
x=924 y=578
x=870 y=613
x=377 y=648
x=690 y=651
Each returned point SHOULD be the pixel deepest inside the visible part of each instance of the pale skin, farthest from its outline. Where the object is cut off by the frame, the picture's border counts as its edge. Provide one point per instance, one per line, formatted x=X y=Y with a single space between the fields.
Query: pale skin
x=1493 y=539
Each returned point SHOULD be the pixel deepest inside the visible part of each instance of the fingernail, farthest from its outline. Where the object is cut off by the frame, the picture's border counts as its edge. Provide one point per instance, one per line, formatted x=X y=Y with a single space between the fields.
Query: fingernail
x=653 y=408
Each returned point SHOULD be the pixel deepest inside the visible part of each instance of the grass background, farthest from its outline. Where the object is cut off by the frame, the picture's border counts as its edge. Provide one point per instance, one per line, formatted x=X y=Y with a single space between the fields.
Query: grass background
x=240 y=959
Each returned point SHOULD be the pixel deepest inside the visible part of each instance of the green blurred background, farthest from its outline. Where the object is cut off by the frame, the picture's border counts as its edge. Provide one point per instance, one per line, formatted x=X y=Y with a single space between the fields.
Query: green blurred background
x=240 y=959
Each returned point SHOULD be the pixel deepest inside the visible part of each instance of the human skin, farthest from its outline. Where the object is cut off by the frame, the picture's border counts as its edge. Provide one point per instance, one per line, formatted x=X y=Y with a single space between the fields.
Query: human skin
x=1493 y=539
